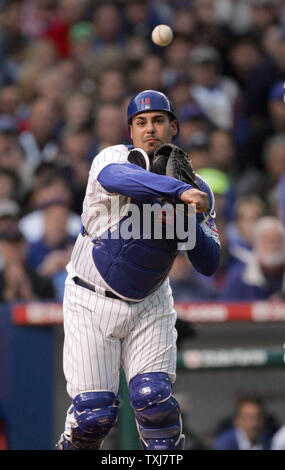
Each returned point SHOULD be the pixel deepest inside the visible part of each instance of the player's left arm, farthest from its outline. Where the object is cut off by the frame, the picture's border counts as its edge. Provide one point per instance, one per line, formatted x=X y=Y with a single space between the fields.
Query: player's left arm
x=205 y=256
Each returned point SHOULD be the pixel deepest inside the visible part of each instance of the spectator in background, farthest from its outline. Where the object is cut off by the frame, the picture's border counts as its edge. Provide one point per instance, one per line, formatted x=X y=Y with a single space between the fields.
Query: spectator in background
x=276 y=108
x=248 y=430
x=71 y=75
x=222 y=153
x=77 y=112
x=194 y=127
x=198 y=152
x=184 y=23
x=108 y=127
x=108 y=26
x=263 y=14
x=179 y=93
x=209 y=28
x=9 y=184
x=58 y=83
x=141 y=17
x=236 y=14
x=135 y=52
x=111 y=87
x=49 y=184
x=12 y=42
x=18 y=280
x=263 y=181
x=267 y=72
x=176 y=56
x=38 y=57
x=149 y=74
x=12 y=158
x=262 y=276
x=81 y=37
x=9 y=212
x=216 y=94
x=273 y=123
x=50 y=254
x=76 y=160
x=36 y=16
x=274 y=162
x=67 y=13
x=240 y=234
x=137 y=18
x=244 y=55
x=38 y=140
x=11 y=105
x=270 y=41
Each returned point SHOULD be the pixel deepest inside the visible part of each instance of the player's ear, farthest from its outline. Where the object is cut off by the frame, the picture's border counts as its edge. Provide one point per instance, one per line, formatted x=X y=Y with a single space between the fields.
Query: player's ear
x=131 y=131
x=174 y=127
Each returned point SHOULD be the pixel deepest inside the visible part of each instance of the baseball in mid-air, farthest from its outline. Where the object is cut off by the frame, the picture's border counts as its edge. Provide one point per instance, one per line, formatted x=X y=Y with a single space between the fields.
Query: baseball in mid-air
x=162 y=35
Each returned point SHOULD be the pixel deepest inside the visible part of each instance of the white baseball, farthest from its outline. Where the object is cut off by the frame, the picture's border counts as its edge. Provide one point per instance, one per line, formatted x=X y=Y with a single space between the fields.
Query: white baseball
x=162 y=35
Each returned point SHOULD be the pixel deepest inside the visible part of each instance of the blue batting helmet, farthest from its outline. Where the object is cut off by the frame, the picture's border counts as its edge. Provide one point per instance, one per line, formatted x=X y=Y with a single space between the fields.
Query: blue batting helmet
x=149 y=100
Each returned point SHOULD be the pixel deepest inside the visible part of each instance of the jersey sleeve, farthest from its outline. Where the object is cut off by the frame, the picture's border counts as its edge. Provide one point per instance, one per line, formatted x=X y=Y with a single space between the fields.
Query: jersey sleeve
x=116 y=154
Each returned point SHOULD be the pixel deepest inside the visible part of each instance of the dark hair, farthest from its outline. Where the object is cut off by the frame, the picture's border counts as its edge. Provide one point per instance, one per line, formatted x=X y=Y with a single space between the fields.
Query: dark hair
x=249 y=398
x=14 y=177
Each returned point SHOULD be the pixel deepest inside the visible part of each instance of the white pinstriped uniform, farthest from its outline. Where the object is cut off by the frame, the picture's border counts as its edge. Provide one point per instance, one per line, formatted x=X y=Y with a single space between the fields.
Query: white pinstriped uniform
x=101 y=333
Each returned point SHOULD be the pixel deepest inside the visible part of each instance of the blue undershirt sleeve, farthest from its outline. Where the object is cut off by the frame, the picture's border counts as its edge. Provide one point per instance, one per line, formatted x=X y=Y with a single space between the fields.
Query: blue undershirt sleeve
x=205 y=256
x=135 y=182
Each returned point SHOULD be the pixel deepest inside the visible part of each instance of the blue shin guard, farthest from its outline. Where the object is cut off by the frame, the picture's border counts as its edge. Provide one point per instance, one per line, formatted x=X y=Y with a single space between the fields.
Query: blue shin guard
x=95 y=414
x=157 y=413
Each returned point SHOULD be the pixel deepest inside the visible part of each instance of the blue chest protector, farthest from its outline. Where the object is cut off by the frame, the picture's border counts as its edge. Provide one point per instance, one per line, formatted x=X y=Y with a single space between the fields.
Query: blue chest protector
x=134 y=267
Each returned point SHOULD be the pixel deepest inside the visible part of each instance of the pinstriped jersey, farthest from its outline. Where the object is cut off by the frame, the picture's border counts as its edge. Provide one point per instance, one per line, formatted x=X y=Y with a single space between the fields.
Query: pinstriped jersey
x=97 y=215
x=102 y=210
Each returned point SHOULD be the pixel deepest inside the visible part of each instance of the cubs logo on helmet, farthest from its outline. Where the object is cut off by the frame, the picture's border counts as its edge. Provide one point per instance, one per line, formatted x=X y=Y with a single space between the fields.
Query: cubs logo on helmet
x=145 y=102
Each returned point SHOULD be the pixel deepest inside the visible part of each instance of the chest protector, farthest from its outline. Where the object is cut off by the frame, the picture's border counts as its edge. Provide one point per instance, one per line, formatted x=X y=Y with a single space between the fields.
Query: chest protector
x=134 y=267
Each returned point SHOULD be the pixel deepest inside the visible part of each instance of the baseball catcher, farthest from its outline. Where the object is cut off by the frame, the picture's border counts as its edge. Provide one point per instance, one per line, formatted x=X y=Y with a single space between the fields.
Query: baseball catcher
x=118 y=304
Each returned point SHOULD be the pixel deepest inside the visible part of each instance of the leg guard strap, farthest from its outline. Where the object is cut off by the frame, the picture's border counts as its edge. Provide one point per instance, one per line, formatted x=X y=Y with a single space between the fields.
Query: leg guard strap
x=160 y=426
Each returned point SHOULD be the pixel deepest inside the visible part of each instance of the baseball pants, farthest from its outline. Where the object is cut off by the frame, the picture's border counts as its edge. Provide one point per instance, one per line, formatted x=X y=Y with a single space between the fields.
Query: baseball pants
x=102 y=334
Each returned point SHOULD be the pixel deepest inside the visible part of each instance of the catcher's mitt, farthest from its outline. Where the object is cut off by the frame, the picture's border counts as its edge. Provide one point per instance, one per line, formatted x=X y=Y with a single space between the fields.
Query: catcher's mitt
x=170 y=160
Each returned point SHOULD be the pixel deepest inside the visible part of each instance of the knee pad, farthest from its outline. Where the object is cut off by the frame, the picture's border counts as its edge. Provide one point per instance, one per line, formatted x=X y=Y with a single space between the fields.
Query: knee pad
x=157 y=412
x=95 y=414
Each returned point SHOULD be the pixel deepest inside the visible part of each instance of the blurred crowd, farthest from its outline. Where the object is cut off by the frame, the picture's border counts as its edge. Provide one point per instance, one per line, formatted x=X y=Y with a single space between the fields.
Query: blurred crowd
x=67 y=71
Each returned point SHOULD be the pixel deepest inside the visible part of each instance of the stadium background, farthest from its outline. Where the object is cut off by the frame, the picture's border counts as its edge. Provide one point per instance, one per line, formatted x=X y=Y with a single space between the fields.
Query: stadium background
x=68 y=69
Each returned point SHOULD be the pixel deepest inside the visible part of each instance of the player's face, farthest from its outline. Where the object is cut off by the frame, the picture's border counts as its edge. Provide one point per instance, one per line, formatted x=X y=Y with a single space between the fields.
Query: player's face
x=251 y=420
x=151 y=129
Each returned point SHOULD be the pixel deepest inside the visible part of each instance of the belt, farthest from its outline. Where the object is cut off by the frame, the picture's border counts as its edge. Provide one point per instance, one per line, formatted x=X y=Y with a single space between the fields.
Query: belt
x=108 y=293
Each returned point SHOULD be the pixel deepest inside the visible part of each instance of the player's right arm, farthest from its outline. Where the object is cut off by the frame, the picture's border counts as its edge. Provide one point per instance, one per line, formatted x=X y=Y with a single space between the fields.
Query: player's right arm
x=135 y=182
